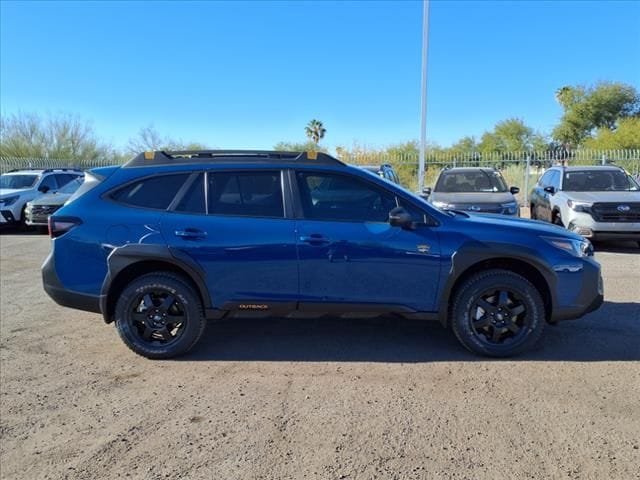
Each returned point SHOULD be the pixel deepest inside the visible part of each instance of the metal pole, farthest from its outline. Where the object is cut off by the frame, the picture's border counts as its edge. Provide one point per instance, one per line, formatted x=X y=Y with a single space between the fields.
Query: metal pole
x=423 y=121
x=527 y=174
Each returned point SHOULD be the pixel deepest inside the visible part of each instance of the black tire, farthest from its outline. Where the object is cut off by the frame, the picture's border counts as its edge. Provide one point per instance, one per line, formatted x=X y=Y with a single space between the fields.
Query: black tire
x=159 y=315
x=532 y=212
x=22 y=221
x=557 y=219
x=519 y=332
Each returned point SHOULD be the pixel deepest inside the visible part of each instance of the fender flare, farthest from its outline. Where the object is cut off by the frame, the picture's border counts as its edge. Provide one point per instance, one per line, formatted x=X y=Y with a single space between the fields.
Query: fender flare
x=122 y=257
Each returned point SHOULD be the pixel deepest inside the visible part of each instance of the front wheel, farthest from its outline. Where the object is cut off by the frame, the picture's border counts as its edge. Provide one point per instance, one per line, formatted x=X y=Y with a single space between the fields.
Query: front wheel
x=159 y=315
x=498 y=313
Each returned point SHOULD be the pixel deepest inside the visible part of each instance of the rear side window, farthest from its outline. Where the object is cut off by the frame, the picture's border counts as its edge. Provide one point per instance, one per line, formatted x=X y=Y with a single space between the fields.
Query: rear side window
x=193 y=199
x=153 y=192
x=250 y=194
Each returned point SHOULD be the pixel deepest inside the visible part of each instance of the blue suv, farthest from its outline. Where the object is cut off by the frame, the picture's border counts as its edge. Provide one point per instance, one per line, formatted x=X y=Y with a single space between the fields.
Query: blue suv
x=171 y=239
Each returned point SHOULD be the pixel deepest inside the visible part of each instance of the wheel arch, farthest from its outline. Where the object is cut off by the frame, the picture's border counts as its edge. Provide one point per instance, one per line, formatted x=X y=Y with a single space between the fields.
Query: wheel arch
x=127 y=264
x=516 y=265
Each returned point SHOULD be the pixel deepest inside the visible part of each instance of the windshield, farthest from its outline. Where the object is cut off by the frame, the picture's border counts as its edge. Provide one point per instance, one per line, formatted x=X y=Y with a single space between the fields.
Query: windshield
x=470 y=181
x=598 y=181
x=72 y=186
x=17 y=181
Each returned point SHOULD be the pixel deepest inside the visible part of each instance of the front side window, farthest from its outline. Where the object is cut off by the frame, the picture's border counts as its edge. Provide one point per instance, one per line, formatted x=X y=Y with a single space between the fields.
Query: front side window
x=153 y=192
x=471 y=181
x=546 y=179
x=326 y=196
x=597 y=181
x=247 y=194
x=72 y=186
x=50 y=182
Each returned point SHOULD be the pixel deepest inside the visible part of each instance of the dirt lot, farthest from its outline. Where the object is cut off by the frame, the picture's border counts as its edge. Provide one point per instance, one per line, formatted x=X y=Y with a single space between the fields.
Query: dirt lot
x=326 y=399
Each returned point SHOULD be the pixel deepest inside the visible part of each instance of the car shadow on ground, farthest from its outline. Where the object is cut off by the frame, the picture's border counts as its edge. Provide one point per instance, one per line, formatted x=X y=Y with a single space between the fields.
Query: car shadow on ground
x=13 y=230
x=617 y=247
x=610 y=334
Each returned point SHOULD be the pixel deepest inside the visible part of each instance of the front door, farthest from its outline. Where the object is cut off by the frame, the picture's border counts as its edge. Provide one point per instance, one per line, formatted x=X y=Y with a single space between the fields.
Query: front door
x=350 y=254
x=240 y=237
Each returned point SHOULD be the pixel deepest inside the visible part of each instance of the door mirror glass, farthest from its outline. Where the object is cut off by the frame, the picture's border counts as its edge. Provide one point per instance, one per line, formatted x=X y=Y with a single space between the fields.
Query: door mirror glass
x=400 y=217
x=426 y=191
x=514 y=190
x=550 y=190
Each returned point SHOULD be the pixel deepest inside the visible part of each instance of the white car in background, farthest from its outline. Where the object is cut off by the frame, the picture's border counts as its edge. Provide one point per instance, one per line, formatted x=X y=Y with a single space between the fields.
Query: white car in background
x=21 y=186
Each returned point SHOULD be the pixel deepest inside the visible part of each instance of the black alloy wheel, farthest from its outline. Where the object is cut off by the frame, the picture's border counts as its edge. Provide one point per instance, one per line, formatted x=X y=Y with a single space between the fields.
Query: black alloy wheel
x=499 y=317
x=497 y=313
x=160 y=315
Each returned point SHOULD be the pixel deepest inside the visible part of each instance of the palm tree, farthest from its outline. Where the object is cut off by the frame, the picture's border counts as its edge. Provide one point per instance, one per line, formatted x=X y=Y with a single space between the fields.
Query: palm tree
x=315 y=130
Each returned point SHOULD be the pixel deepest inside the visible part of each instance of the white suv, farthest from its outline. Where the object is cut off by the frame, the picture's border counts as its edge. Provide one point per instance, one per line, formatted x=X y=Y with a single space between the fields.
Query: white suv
x=601 y=203
x=21 y=186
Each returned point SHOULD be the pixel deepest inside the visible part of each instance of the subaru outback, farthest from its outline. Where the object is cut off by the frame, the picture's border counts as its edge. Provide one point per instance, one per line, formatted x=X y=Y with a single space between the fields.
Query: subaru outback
x=171 y=239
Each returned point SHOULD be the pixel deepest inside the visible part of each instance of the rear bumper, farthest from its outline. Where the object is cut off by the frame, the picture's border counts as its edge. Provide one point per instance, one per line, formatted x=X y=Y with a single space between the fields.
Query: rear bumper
x=63 y=296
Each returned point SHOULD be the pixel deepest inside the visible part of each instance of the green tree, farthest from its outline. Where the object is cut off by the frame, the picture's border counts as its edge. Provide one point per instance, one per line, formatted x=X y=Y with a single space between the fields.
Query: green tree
x=511 y=135
x=315 y=131
x=587 y=109
x=149 y=139
x=625 y=136
x=298 y=147
x=61 y=136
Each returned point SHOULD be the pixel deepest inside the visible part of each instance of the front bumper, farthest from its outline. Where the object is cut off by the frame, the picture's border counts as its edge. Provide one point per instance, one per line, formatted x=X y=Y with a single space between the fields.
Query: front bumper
x=7 y=217
x=584 y=224
x=63 y=296
x=589 y=297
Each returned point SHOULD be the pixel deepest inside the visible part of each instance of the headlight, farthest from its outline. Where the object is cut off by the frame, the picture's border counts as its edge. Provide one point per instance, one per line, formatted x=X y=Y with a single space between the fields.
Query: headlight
x=440 y=204
x=580 y=206
x=510 y=208
x=10 y=200
x=579 y=248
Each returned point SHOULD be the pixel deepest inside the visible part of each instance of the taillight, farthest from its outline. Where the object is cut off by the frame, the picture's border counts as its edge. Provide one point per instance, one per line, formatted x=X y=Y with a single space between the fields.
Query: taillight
x=61 y=225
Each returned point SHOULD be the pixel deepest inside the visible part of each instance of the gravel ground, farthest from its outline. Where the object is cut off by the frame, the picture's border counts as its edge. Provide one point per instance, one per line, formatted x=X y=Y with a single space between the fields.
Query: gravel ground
x=326 y=399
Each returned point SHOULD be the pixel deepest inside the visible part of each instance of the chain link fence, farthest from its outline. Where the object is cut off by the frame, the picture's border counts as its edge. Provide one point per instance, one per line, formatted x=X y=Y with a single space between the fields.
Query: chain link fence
x=520 y=169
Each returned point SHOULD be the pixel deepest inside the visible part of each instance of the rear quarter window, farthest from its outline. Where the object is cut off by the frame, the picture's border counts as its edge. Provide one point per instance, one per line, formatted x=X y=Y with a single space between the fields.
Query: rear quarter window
x=153 y=192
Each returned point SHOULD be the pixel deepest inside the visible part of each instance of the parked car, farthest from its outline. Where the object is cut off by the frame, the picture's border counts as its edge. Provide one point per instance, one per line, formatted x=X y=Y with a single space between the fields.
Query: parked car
x=385 y=171
x=38 y=211
x=21 y=186
x=476 y=189
x=600 y=203
x=171 y=239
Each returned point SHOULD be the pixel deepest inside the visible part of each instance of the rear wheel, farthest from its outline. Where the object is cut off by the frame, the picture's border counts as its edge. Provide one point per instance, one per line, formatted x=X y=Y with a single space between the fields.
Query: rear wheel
x=498 y=313
x=159 y=315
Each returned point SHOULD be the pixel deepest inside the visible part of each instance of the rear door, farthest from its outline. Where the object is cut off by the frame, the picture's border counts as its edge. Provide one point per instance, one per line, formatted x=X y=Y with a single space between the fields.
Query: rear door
x=349 y=254
x=233 y=225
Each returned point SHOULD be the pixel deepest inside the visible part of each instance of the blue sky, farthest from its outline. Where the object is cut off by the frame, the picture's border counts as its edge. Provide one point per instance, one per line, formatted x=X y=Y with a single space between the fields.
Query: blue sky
x=247 y=75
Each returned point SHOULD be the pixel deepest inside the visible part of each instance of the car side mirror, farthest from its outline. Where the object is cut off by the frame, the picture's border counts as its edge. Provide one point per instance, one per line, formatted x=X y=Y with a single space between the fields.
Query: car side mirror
x=426 y=191
x=514 y=190
x=399 y=217
x=550 y=190
x=43 y=188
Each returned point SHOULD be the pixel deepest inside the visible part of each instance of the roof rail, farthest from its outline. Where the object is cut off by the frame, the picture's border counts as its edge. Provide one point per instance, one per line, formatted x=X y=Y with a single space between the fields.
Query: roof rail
x=186 y=157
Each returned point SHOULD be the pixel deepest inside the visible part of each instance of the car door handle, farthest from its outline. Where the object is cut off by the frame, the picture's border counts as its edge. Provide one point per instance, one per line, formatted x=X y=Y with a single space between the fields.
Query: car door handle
x=315 y=239
x=191 y=234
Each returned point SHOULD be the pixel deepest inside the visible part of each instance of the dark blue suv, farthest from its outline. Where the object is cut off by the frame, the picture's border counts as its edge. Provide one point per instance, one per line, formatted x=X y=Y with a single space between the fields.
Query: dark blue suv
x=171 y=239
